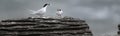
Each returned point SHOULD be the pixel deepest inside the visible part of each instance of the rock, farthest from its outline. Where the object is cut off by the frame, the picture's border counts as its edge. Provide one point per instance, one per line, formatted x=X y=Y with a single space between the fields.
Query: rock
x=118 y=29
x=66 y=26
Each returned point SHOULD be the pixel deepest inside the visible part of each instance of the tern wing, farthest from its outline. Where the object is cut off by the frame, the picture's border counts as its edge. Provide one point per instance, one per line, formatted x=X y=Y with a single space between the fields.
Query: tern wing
x=61 y=12
x=40 y=10
x=32 y=11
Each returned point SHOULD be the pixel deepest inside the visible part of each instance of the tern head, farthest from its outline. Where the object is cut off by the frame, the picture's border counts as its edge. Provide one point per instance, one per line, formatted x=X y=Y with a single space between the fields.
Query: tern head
x=58 y=9
x=46 y=4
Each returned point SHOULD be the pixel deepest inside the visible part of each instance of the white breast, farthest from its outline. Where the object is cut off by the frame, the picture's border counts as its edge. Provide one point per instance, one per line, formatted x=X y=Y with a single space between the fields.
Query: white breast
x=59 y=12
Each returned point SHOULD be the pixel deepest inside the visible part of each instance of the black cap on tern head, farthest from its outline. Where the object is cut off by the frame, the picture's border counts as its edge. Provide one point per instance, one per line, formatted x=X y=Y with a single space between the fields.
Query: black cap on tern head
x=46 y=4
x=58 y=9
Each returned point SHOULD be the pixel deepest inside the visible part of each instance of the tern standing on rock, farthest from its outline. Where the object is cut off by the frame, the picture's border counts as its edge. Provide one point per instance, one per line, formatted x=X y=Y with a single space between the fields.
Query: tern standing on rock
x=41 y=11
x=59 y=12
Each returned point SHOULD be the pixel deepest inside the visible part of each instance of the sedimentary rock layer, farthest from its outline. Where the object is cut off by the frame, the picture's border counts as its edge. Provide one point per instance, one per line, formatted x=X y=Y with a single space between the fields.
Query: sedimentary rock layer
x=66 y=26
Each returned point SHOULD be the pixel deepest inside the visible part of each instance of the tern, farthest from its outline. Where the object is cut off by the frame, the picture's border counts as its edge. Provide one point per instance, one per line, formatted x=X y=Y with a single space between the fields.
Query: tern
x=59 y=12
x=41 y=11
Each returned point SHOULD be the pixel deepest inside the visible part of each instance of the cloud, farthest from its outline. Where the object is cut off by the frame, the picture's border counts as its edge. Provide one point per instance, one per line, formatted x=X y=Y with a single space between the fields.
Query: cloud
x=101 y=15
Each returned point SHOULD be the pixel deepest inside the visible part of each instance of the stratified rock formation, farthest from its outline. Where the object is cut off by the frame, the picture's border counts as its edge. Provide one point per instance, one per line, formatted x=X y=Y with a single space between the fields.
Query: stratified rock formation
x=66 y=26
x=119 y=29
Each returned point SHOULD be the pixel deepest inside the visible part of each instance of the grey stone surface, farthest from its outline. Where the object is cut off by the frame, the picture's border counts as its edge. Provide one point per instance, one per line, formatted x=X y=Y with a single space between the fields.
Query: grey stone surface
x=118 y=29
x=66 y=26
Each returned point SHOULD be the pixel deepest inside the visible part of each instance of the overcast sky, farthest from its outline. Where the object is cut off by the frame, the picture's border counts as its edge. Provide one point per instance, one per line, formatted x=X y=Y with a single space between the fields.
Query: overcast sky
x=102 y=16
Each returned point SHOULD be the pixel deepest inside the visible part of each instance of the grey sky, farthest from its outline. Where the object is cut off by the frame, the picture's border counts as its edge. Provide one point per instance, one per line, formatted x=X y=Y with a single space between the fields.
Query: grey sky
x=101 y=15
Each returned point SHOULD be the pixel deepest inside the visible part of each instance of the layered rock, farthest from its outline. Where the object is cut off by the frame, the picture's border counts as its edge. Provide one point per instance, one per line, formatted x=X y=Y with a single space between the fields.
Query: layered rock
x=119 y=29
x=66 y=26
